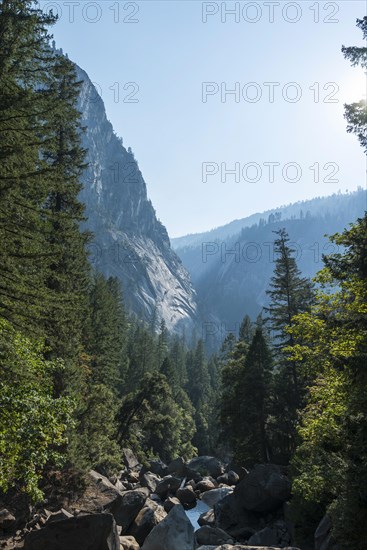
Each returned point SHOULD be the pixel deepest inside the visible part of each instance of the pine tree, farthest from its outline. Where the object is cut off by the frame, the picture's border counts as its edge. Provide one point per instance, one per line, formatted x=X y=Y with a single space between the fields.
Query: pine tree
x=356 y=113
x=290 y=294
x=245 y=402
x=246 y=330
x=24 y=258
x=68 y=274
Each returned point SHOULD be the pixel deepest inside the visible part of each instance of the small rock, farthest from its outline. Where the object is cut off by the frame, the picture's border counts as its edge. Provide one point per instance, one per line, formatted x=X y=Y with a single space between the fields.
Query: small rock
x=207 y=518
x=212 y=535
x=233 y=478
x=7 y=520
x=128 y=543
x=169 y=503
x=186 y=495
x=205 y=485
x=150 y=480
x=169 y=484
x=58 y=516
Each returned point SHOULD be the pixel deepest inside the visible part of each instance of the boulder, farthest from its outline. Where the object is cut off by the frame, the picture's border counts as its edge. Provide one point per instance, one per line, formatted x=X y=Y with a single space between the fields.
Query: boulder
x=127 y=506
x=264 y=489
x=265 y=537
x=215 y=495
x=169 y=503
x=244 y=547
x=169 y=484
x=206 y=465
x=129 y=459
x=229 y=478
x=175 y=532
x=149 y=516
x=207 y=518
x=206 y=484
x=324 y=539
x=212 y=536
x=177 y=467
x=58 y=516
x=233 y=477
x=150 y=481
x=107 y=491
x=90 y=532
x=236 y=521
x=157 y=467
x=128 y=543
x=7 y=520
x=186 y=495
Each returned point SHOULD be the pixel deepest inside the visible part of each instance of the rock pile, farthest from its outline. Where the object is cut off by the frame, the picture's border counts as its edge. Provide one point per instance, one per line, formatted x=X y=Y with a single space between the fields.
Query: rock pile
x=144 y=508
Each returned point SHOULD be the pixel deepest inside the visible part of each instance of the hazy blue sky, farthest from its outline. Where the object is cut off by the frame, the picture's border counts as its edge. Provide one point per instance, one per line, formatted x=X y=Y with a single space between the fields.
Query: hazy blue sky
x=169 y=52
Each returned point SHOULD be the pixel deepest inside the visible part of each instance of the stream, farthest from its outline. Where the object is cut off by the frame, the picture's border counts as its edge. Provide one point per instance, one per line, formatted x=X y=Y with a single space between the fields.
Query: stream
x=196 y=512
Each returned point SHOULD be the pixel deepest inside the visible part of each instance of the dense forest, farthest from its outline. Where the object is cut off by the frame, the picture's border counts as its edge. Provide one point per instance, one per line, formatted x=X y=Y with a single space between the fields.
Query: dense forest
x=81 y=378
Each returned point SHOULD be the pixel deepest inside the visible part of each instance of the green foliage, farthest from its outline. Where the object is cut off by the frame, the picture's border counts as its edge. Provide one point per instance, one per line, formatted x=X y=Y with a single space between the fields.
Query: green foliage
x=155 y=421
x=290 y=294
x=356 y=113
x=330 y=463
x=245 y=402
x=33 y=423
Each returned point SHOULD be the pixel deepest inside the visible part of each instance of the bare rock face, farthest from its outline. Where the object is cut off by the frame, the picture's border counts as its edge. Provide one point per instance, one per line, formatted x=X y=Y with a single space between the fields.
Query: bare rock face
x=130 y=242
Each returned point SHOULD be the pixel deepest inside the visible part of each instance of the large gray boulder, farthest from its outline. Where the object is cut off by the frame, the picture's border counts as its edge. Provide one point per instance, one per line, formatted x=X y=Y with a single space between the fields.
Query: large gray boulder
x=90 y=532
x=212 y=536
x=129 y=459
x=168 y=485
x=206 y=465
x=263 y=489
x=265 y=537
x=127 y=506
x=324 y=539
x=149 y=516
x=213 y=496
x=186 y=495
x=175 y=532
x=150 y=481
x=236 y=521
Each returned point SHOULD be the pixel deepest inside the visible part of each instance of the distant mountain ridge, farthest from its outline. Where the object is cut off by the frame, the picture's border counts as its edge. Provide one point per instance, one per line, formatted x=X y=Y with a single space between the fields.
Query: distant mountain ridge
x=288 y=211
x=231 y=272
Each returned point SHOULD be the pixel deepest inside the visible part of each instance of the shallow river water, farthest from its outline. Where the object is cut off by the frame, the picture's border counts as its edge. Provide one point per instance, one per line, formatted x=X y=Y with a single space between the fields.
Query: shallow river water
x=196 y=512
